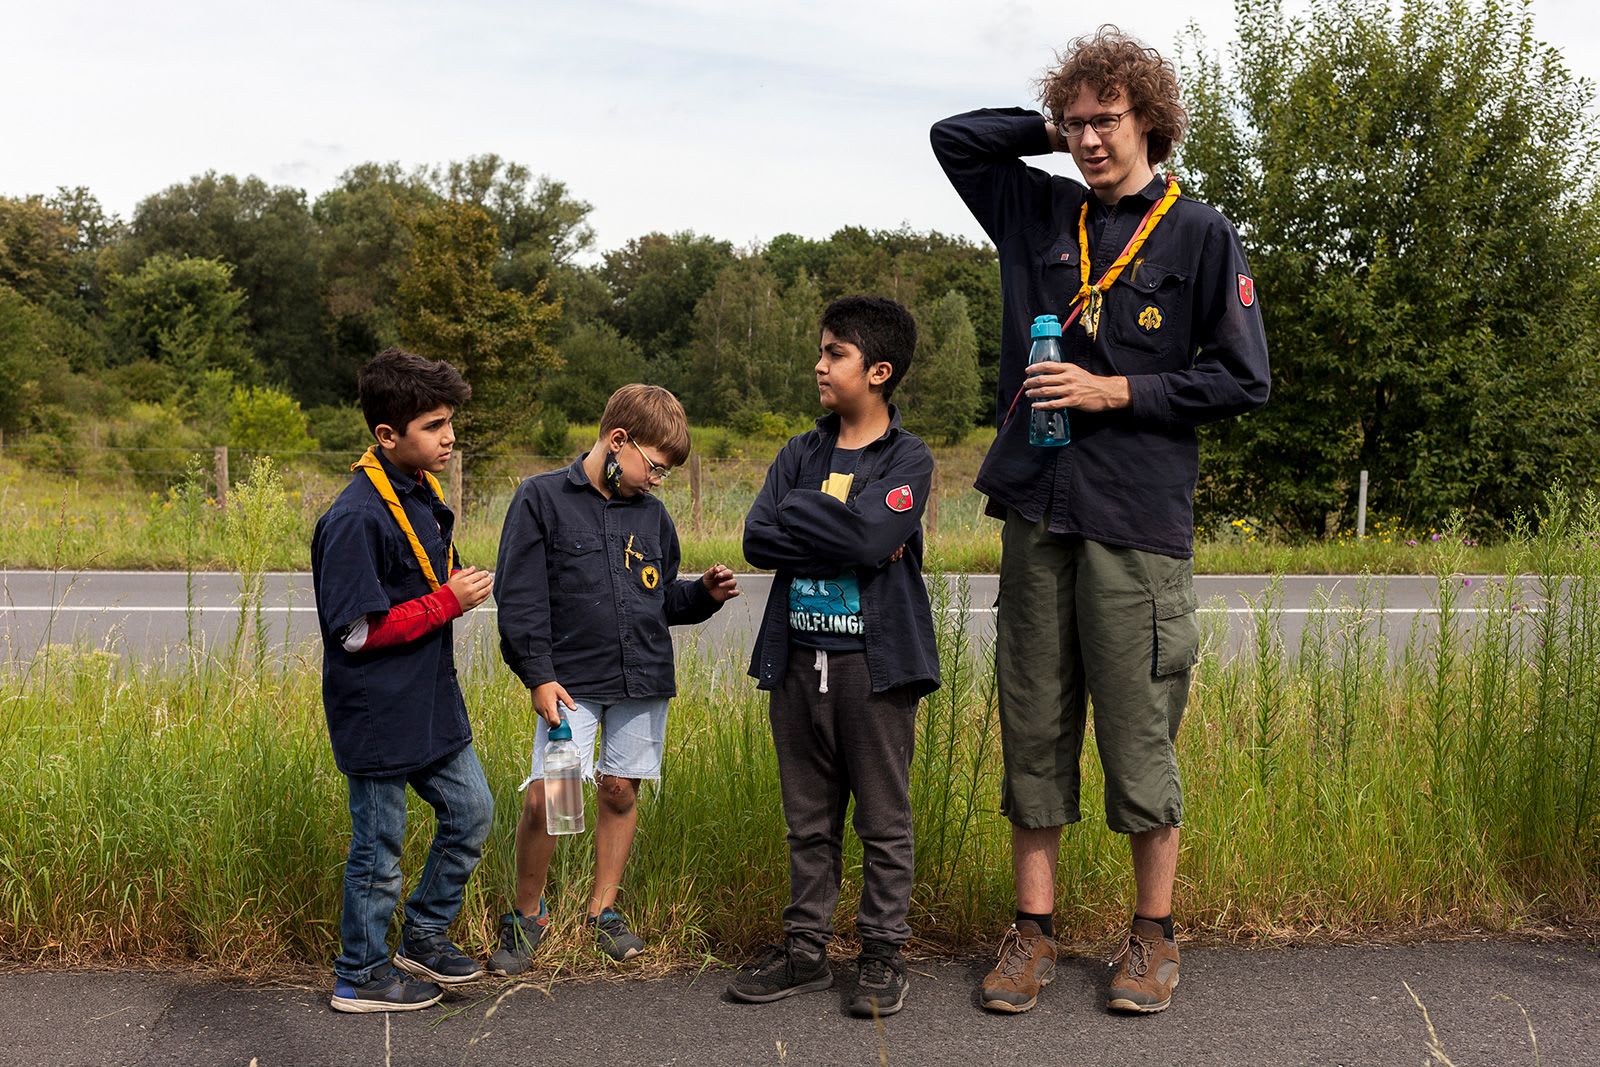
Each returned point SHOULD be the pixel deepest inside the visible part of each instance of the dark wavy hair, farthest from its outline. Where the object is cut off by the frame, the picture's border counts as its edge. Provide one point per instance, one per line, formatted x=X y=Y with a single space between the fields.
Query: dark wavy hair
x=1109 y=61
x=396 y=386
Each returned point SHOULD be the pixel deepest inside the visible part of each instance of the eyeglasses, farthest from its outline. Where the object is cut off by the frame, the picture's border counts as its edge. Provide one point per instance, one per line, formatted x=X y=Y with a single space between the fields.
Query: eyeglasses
x=1072 y=129
x=657 y=471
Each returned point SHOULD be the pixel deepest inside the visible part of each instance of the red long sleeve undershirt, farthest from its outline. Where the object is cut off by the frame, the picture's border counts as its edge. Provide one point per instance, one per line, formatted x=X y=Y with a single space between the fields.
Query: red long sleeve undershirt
x=405 y=622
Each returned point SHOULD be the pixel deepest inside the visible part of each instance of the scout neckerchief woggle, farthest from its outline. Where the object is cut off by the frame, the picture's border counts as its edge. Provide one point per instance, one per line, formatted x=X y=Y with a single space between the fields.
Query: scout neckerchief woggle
x=1091 y=298
x=369 y=464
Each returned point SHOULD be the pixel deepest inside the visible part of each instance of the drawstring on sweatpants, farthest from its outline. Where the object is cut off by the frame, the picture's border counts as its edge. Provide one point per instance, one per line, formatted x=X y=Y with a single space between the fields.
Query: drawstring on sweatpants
x=822 y=665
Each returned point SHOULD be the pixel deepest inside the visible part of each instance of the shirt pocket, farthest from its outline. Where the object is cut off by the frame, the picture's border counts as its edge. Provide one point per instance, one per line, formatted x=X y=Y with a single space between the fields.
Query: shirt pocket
x=1060 y=278
x=580 y=562
x=1148 y=313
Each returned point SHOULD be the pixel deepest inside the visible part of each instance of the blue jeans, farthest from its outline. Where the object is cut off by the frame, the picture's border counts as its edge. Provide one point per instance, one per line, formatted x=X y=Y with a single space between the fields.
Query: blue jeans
x=459 y=793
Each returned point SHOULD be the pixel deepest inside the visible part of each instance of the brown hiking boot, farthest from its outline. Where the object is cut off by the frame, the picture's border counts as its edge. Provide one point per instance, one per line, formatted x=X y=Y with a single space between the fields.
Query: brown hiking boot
x=1027 y=963
x=1148 y=973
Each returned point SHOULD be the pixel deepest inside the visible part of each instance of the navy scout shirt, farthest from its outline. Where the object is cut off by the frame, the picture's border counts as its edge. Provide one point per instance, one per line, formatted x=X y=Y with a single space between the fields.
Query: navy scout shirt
x=1182 y=323
x=586 y=588
x=390 y=710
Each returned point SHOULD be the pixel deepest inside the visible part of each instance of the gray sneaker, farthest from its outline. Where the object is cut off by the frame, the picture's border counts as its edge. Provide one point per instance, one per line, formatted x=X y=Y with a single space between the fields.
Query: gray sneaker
x=611 y=933
x=519 y=935
x=880 y=981
x=785 y=970
x=386 y=990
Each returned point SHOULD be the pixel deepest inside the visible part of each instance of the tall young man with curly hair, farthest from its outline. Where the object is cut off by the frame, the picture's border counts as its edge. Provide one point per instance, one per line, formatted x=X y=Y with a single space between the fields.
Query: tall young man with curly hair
x=1161 y=332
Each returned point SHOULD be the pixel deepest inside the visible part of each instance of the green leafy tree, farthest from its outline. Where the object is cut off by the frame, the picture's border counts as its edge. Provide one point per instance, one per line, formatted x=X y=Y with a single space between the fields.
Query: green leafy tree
x=1415 y=185
x=184 y=314
x=753 y=345
x=595 y=362
x=269 y=237
x=539 y=225
x=365 y=247
x=450 y=307
x=656 y=281
x=939 y=395
x=35 y=249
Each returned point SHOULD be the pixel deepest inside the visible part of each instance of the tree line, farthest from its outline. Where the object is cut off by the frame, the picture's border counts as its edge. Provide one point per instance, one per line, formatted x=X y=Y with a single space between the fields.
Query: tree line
x=1415 y=186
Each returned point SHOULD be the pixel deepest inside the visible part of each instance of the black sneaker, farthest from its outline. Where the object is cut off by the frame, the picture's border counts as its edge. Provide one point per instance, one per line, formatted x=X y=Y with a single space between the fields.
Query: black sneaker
x=436 y=959
x=519 y=935
x=783 y=972
x=611 y=933
x=881 y=983
x=386 y=990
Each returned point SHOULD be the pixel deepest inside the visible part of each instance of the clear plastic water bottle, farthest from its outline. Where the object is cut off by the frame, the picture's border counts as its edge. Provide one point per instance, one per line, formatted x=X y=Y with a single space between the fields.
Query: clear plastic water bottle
x=1047 y=429
x=563 y=782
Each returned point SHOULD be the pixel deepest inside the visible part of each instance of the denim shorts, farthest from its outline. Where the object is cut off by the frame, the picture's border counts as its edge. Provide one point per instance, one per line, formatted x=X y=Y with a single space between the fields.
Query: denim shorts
x=632 y=734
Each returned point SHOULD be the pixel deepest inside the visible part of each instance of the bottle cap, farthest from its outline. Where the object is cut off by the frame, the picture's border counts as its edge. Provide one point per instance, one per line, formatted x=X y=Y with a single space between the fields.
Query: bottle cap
x=1046 y=326
x=562 y=732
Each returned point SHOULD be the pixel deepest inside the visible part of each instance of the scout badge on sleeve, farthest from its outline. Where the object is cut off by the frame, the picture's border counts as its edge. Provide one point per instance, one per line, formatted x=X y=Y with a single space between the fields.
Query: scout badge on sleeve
x=1247 y=290
x=899 y=499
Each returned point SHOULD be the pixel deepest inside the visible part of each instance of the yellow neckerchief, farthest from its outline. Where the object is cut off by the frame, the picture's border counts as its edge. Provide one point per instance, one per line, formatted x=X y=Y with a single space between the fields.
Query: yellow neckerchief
x=1091 y=297
x=373 y=468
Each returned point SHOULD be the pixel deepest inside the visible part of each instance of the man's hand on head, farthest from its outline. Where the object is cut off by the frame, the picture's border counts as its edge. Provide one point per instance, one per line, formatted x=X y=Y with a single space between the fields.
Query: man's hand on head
x=471 y=585
x=1052 y=386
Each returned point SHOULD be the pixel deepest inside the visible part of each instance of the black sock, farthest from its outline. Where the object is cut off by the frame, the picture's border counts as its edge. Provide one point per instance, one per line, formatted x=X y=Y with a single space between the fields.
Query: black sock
x=1164 y=923
x=1047 y=925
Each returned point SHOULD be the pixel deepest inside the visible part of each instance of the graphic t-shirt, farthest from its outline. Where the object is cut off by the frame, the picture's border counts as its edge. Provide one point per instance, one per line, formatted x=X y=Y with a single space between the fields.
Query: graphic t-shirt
x=825 y=613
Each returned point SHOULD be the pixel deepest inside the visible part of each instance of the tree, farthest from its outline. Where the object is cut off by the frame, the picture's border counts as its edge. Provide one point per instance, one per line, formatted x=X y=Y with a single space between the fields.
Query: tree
x=262 y=419
x=656 y=281
x=1416 y=189
x=754 y=345
x=267 y=234
x=184 y=314
x=941 y=391
x=596 y=361
x=35 y=249
x=539 y=225
x=449 y=307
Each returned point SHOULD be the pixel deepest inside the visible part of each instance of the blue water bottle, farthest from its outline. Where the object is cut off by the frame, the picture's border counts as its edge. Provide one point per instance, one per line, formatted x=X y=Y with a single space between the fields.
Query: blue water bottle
x=1047 y=429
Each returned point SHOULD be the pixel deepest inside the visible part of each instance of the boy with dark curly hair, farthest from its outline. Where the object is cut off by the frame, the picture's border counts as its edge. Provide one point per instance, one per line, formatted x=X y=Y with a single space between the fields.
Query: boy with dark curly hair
x=1160 y=332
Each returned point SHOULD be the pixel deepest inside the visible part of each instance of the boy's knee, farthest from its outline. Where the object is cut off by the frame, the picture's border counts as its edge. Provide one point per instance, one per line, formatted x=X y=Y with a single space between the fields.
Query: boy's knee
x=618 y=794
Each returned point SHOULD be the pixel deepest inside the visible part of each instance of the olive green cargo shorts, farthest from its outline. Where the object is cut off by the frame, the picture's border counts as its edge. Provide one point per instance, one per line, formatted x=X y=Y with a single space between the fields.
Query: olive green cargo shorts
x=1080 y=622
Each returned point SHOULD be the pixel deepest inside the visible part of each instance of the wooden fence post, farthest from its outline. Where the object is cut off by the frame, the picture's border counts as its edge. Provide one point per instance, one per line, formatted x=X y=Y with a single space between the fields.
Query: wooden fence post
x=219 y=472
x=456 y=463
x=694 y=489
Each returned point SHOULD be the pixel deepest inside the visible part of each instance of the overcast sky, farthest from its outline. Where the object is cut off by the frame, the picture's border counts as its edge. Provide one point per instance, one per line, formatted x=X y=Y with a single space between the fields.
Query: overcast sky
x=738 y=119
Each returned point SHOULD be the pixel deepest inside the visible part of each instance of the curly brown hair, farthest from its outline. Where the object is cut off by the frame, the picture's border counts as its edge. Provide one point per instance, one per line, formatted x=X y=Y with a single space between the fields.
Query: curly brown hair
x=1109 y=61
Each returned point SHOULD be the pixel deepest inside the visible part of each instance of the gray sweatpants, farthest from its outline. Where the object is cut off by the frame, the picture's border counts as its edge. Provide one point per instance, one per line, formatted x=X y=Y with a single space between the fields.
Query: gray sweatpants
x=832 y=745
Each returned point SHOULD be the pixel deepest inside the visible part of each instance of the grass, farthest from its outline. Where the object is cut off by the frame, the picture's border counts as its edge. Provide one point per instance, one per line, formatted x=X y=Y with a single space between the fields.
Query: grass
x=106 y=521
x=190 y=810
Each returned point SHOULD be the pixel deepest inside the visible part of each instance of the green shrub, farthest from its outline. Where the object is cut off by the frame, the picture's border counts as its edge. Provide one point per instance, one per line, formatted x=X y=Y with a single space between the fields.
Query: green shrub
x=261 y=419
x=340 y=428
x=159 y=446
x=551 y=439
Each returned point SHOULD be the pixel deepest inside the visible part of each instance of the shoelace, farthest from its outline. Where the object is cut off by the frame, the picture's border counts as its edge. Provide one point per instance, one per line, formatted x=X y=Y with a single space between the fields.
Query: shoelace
x=1011 y=965
x=875 y=971
x=1138 y=951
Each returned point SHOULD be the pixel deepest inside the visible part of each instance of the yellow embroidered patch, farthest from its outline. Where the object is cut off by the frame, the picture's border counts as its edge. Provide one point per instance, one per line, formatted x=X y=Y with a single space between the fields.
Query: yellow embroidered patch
x=1150 y=319
x=650 y=577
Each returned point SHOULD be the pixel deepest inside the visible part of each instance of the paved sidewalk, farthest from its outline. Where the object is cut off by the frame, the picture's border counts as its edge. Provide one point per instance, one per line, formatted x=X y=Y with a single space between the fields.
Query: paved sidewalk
x=1335 y=1006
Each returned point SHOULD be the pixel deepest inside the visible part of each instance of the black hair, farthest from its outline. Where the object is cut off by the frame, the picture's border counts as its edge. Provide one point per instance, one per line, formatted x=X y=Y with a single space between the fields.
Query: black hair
x=396 y=386
x=883 y=330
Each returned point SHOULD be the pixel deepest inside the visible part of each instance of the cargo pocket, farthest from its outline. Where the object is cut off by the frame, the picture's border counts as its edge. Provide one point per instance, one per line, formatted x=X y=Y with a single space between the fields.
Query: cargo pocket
x=1177 y=636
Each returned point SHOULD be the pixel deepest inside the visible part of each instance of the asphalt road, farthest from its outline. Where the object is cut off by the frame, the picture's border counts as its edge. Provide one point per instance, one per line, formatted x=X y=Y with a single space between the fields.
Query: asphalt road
x=1342 y=1006
x=147 y=613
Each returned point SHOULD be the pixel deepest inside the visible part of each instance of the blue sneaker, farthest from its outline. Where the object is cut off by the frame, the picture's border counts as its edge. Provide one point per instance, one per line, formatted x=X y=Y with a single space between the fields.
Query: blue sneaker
x=386 y=990
x=436 y=959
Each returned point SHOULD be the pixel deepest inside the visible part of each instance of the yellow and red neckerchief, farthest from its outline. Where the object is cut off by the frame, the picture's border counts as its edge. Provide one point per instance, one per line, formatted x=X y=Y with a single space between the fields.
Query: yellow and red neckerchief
x=1090 y=298
x=373 y=468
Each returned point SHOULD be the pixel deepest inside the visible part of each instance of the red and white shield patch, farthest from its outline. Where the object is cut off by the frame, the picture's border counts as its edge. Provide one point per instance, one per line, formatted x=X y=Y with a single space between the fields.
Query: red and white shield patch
x=1247 y=290
x=899 y=499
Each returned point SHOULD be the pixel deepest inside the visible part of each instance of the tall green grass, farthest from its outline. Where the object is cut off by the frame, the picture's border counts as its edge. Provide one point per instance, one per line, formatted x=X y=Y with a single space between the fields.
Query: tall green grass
x=191 y=810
